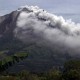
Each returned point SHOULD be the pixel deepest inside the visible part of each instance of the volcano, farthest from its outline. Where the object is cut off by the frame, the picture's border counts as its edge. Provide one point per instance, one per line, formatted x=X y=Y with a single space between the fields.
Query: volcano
x=48 y=39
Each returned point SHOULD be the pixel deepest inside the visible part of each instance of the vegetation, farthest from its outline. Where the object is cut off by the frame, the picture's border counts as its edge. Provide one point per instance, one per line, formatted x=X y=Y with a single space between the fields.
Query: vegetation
x=11 y=60
x=70 y=71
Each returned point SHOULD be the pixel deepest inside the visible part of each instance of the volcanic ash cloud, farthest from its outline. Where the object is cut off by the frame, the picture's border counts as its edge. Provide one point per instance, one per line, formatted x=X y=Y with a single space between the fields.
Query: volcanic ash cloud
x=53 y=28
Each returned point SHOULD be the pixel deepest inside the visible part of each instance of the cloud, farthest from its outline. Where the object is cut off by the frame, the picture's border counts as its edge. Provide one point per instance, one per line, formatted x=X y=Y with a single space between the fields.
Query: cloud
x=51 y=27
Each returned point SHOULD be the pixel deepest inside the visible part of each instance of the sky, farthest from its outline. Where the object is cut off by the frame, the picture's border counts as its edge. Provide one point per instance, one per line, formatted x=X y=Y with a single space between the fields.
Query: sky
x=53 y=6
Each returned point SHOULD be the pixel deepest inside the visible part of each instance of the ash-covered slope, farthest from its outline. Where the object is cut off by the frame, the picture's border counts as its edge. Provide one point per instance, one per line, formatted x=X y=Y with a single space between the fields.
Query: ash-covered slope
x=7 y=26
x=48 y=39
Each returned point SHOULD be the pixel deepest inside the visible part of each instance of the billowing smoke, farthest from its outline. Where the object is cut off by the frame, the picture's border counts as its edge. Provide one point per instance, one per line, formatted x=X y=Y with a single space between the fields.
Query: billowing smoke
x=51 y=27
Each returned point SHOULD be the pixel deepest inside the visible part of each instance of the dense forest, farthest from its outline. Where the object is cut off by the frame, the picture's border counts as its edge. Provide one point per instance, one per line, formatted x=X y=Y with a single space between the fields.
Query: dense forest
x=70 y=71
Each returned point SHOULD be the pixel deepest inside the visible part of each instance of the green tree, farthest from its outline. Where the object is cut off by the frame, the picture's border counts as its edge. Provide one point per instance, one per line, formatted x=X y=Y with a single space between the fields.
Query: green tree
x=54 y=75
x=72 y=70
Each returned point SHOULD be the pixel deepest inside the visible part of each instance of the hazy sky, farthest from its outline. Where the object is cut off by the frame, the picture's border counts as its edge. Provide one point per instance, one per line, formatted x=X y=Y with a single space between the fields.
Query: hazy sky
x=54 y=6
